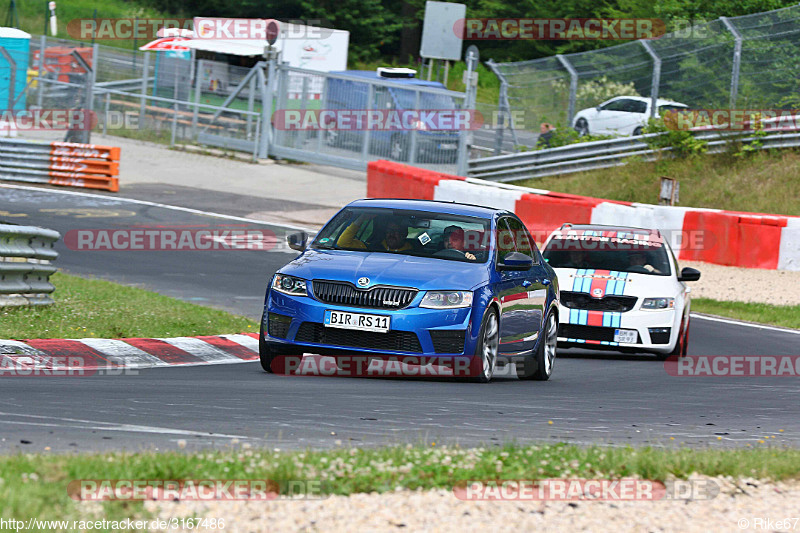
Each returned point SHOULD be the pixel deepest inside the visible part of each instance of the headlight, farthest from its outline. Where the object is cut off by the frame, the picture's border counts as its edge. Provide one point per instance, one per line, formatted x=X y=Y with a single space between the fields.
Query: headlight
x=447 y=299
x=658 y=303
x=289 y=285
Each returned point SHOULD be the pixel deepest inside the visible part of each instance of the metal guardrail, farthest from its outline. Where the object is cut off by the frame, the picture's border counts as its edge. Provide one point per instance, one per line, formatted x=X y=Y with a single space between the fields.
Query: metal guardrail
x=59 y=163
x=26 y=256
x=594 y=155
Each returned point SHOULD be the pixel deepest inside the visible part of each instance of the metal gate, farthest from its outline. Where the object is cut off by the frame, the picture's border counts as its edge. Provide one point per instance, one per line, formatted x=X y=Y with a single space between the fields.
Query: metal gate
x=308 y=93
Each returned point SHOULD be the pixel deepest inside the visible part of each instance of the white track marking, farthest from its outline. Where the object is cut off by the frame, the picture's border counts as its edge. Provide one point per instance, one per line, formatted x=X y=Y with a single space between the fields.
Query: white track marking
x=78 y=423
x=748 y=324
x=202 y=349
x=155 y=204
x=129 y=356
x=245 y=340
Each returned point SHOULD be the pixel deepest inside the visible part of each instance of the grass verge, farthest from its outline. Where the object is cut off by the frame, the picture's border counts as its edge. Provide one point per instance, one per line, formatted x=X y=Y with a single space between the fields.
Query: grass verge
x=36 y=484
x=787 y=316
x=717 y=181
x=98 y=308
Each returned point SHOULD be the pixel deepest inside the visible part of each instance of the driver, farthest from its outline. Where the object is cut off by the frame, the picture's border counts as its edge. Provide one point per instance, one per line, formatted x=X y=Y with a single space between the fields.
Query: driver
x=578 y=259
x=393 y=235
x=640 y=259
x=454 y=240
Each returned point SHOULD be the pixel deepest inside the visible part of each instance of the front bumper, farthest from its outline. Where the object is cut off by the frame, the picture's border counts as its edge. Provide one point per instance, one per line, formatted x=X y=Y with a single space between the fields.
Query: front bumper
x=657 y=331
x=413 y=330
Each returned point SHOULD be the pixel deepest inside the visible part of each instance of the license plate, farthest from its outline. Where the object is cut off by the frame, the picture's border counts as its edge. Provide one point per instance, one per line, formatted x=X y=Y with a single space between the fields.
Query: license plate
x=345 y=320
x=627 y=336
x=445 y=146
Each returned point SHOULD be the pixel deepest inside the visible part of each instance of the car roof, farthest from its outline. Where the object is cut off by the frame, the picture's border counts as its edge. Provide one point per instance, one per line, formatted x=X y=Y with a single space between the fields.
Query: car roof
x=603 y=227
x=373 y=75
x=659 y=101
x=451 y=208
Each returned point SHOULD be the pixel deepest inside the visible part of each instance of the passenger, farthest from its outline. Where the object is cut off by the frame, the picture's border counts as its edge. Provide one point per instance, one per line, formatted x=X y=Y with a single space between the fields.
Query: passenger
x=393 y=235
x=454 y=240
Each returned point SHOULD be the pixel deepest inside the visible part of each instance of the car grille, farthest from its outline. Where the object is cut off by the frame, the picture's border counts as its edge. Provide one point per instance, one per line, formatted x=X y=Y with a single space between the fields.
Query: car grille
x=341 y=293
x=279 y=325
x=448 y=340
x=582 y=300
x=589 y=333
x=395 y=341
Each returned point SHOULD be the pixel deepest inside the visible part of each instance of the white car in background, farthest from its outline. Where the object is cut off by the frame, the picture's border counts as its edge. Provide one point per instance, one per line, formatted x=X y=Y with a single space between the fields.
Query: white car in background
x=623 y=115
x=620 y=290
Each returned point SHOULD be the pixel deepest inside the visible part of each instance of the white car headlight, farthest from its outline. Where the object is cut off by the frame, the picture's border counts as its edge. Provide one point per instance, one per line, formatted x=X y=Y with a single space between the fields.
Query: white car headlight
x=446 y=299
x=289 y=285
x=658 y=303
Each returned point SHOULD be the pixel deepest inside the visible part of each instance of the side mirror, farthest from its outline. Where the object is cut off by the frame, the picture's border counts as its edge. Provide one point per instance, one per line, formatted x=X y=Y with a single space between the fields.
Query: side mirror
x=598 y=108
x=516 y=261
x=689 y=274
x=297 y=241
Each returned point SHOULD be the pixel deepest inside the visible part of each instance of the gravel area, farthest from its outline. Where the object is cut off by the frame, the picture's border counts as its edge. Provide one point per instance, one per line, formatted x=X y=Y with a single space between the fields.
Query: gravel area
x=439 y=510
x=777 y=287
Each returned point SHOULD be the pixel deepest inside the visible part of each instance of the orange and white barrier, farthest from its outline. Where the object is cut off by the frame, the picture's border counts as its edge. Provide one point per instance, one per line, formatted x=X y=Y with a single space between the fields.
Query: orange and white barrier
x=58 y=163
x=749 y=240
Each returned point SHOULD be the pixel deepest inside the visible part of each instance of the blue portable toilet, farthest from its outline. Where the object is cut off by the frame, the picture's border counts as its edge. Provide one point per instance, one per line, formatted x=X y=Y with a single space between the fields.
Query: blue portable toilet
x=17 y=43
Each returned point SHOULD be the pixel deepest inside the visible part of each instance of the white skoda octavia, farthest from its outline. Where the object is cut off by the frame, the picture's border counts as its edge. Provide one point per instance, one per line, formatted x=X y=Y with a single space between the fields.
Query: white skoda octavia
x=620 y=289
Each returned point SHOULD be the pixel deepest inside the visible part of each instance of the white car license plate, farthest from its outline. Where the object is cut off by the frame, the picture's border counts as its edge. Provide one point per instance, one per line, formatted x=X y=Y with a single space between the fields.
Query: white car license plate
x=448 y=146
x=345 y=320
x=627 y=336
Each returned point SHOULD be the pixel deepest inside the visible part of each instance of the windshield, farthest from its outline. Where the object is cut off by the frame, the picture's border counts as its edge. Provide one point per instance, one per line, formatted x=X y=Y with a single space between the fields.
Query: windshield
x=621 y=252
x=407 y=232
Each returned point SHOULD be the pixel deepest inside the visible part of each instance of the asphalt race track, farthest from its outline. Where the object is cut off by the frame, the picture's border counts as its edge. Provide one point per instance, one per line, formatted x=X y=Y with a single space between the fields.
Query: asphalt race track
x=604 y=398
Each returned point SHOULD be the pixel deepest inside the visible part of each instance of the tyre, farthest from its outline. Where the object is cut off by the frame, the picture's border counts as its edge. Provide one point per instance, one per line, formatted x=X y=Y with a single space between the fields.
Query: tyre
x=681 y=345
x=539 y=366
x=265 y=351
x=582 y=127
x=484 y=362
x=637 y=131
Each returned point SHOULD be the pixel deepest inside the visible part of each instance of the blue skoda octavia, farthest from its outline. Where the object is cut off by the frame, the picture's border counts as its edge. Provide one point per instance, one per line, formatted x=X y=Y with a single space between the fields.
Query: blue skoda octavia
x=437 y=280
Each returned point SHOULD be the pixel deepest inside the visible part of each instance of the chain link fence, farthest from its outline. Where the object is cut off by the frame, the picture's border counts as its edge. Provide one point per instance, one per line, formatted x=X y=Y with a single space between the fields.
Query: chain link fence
x=352 y=147
x=747 y=62
x=174 y=98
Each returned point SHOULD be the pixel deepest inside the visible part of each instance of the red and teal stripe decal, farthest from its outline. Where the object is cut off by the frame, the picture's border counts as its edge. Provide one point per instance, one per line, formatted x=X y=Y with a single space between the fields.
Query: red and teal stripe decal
x=612 y=283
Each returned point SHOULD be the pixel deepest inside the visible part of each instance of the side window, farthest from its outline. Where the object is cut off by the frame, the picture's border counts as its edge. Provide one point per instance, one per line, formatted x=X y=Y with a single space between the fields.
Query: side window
x=522 y=238
x=625 y=105
x=505 y=240
x=636 y=106
x=616 y=105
